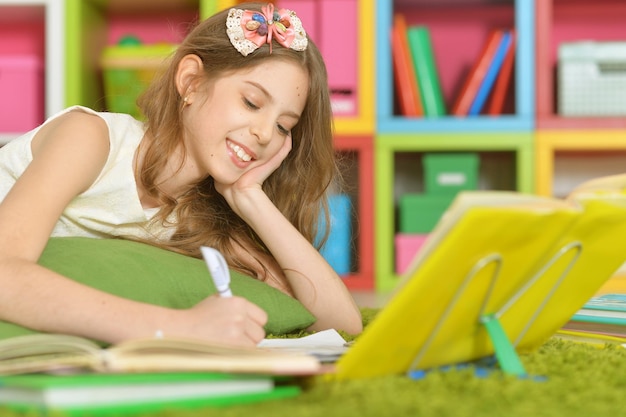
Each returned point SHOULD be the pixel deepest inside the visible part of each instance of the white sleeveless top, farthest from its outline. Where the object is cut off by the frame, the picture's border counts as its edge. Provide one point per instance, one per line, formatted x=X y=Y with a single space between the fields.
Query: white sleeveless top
x=111 y=206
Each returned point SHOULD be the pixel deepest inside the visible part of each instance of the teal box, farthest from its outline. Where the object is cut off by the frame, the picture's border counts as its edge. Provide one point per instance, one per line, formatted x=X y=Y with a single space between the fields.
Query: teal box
x=419 y=213
x=449 y=173
x=338 y=247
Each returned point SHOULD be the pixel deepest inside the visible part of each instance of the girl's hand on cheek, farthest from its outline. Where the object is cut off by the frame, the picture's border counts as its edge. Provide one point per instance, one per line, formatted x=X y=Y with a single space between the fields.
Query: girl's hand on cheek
x=252 y=180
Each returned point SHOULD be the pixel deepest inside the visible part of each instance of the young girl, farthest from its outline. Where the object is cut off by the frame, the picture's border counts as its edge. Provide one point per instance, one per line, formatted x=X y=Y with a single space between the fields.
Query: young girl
x=236 y=153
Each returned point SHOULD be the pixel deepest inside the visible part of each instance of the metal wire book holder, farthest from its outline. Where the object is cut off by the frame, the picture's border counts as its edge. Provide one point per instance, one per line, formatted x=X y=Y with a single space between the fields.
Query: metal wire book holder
x=504 y=347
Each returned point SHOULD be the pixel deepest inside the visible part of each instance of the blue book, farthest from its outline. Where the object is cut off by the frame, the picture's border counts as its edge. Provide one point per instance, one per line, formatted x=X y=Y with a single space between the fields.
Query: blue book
x=491 y=75
x=338 y=248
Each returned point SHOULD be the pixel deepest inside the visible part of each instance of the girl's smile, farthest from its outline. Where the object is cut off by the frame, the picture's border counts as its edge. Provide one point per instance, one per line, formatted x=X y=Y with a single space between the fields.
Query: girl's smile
x=240 y=156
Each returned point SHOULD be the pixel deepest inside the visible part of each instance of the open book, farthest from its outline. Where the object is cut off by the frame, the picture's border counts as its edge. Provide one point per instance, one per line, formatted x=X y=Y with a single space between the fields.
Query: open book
x=499 y=274
x=60 y=353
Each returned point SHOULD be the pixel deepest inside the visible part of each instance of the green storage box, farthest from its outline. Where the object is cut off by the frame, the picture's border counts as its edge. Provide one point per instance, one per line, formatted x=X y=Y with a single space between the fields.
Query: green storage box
x=127 y=71
x=449 y=173
x=419 y=213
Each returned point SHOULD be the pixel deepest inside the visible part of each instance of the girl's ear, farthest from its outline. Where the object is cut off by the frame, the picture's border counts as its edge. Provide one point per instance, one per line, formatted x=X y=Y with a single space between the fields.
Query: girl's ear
x=190 y=68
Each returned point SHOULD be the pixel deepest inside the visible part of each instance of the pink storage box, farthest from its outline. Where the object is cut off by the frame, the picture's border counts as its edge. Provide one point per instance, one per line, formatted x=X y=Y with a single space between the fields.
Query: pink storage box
x=21 y=93
x=407 y=246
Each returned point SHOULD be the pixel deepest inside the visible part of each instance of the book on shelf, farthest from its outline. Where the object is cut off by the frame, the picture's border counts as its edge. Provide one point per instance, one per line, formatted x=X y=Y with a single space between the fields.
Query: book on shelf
x=477 y=73
x=501 y=272
x=102 y=394
x=604 y=314
x=423 y=58
x=56 y=352
x=503 y=81
x=486 y=85
x=405 y=79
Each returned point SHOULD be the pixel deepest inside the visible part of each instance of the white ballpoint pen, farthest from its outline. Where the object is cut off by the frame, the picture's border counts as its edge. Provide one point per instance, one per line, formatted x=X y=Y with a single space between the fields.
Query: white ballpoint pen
x=219 y=270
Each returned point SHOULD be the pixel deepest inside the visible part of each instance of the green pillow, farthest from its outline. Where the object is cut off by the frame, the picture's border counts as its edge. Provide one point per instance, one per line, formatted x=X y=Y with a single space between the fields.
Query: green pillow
x=152 y=275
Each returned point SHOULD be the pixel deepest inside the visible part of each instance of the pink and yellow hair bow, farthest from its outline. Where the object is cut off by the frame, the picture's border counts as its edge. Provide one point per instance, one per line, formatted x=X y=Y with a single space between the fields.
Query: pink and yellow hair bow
x=248 y=29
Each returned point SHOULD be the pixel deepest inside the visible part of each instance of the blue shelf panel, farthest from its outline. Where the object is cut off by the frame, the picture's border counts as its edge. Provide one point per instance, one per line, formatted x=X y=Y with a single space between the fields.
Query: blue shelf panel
x=506 y=123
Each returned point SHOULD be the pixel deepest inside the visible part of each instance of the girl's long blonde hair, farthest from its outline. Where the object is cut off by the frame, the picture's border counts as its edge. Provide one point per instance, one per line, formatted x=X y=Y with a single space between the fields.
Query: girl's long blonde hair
x=298 y=187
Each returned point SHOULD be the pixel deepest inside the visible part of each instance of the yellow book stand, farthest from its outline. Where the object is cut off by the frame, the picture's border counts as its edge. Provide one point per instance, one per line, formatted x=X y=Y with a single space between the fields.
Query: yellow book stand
x=500 y=274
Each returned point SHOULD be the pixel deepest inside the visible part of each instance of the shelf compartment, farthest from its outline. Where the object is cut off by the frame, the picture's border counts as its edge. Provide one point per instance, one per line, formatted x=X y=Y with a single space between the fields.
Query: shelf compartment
x=357 y=168
x=390 y=149
x=454 y=56
x=550 y=145
x=94 y=24
x=561 y=21
x=337 y=42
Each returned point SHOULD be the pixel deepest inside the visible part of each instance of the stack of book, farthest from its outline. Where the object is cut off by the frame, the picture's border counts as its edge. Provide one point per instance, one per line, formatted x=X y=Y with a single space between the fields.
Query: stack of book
x=417 y=82
x=602 y=318
x=130 y=393
x=60 y=373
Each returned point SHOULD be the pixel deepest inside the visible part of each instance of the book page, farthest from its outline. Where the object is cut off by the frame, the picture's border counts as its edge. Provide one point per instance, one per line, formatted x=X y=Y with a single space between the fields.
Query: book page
x=62 y=353
x=47 y=353
x=36 y=344
x=179 y=354
x=327 y=345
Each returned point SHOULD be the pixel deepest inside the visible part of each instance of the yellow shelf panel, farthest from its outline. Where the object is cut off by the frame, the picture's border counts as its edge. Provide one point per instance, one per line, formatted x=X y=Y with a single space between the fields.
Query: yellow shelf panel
x=364 y=122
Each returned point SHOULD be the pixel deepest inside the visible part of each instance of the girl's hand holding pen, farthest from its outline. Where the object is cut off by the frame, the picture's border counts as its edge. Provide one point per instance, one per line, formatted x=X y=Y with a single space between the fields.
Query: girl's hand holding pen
x=241 y=322
x=222 y=320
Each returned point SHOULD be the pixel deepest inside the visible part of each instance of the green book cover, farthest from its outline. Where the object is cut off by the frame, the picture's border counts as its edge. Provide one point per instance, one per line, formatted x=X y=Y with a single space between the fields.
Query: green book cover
x=126 y=394
x=426 y=71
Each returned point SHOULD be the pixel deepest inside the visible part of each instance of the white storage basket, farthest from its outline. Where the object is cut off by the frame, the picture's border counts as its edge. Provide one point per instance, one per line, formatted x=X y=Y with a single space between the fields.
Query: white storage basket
x=592 y=79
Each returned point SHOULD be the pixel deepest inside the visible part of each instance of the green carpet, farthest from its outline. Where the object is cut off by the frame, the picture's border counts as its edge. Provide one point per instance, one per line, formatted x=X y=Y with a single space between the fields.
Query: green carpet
x=578 y=380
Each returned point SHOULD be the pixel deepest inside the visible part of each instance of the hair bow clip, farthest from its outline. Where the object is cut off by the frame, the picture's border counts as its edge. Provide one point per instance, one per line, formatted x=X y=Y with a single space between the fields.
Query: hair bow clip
x=248 y=29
